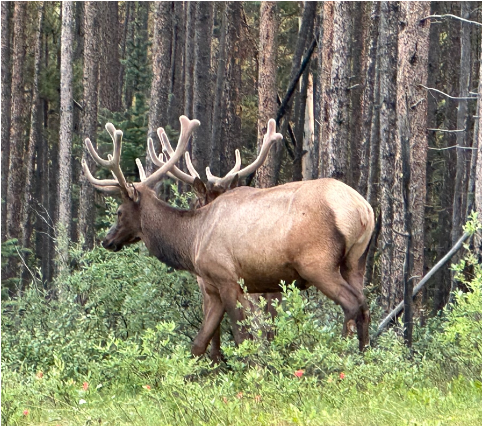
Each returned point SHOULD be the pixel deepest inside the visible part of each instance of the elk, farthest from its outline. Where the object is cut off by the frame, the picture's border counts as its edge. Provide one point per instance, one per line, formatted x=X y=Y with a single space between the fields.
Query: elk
x=206 y=193
x=313 y=233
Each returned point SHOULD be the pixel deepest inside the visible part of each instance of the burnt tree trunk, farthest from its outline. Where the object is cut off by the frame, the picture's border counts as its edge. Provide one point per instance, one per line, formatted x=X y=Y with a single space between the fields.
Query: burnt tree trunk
x=267 y=93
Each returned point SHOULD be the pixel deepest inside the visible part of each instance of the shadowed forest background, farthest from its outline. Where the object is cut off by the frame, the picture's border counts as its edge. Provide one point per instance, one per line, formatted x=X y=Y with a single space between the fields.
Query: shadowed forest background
x=384 y=96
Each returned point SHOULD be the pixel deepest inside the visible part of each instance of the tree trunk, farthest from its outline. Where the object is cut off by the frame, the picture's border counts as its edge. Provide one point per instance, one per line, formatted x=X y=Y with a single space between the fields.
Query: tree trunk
x=6 y=88
x=478 y=171
x=235 y=54
x=338 y=125
x=202 y=96
x=161 y=65
x=219 y=111
x=65 y=136
x=413 y=43
x=34 y=137
x=460 y=194
x=360 y=14
x=176 y=92
x=189 y=58
x=369 y=103
x=110 y=66
x=308 y=160
x=86 y=230
x=267 y=93
x=16 y=177
x=305 y=35
x=325 y=84
x=390 y=278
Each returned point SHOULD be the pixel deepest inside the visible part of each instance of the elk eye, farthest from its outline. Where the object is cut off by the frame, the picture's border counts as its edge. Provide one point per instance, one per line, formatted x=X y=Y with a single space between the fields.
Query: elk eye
x=119 y=214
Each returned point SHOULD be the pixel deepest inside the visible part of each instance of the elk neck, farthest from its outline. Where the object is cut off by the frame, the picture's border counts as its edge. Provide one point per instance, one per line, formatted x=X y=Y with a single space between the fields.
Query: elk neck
x=169 y=234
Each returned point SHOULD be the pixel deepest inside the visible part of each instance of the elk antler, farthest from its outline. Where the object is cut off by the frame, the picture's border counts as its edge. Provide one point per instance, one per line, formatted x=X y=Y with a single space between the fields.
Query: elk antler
x=112 y=186
x=187 y=126
x=269 y=138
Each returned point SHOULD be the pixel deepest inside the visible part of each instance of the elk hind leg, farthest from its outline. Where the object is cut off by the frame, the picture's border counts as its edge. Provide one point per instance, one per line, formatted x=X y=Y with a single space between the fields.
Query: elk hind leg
x=332 y=284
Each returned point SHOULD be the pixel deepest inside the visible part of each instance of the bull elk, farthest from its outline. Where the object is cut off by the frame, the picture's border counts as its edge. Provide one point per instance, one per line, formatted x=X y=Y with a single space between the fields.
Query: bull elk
x=314 y=233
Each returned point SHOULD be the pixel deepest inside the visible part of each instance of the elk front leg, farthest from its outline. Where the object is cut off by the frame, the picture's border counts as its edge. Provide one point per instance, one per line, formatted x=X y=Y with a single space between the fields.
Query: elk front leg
x=213 y=313
x=231 y=295
x=215 y=352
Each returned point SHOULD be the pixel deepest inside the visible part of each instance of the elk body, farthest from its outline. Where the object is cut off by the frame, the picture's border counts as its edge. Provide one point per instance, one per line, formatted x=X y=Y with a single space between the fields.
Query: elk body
x=313 y=232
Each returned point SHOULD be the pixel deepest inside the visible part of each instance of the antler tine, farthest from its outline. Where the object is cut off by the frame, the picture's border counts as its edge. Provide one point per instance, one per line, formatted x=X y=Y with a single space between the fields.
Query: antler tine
x=190 y=167
x=112 y=163
x=108 y=186
x=269 y=138
x=187 y=126
x=142 y=172
x=159 y=162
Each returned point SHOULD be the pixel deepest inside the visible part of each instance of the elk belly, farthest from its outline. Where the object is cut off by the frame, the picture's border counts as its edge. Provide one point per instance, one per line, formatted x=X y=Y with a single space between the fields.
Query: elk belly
x=268 y=280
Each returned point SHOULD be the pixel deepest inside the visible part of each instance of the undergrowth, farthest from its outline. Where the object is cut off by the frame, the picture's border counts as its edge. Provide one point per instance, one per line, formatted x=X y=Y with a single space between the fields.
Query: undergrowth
x=113 y=347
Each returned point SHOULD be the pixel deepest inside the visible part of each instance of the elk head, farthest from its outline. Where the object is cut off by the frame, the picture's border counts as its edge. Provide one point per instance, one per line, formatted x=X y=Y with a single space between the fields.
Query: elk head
x=127 y=229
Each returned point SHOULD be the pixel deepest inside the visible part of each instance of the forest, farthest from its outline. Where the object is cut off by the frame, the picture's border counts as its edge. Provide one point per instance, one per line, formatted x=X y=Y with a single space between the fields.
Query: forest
x=385 y=97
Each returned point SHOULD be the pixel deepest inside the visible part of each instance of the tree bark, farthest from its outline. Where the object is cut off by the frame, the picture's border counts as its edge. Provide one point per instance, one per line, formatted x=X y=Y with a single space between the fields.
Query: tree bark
x=338 y=124
x=110 y=66
x=413 y=44
x=189 y=58
x=219 y=112
x=460 y=194
x=34 y=137
x=478 y=171
x=65 y=136
x=267 y=93
x=308 y=160
x=202 y=96
x=325 y=85
x=16 y=176
x=305 y=35
x=6 y=88
x=391 y=286
x=86 y=230
x=235 y=54
x=161 y=65
x=369 y=102
x=176 y=91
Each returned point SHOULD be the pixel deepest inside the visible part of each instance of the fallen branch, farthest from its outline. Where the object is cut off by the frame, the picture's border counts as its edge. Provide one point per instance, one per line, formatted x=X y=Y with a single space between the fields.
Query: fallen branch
x=455 y=98
x=450 y=147
x=422 y=282
x=448 y=15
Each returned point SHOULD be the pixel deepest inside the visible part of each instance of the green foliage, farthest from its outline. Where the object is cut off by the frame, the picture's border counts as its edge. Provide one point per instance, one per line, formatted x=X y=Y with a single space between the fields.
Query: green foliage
x=114 y=346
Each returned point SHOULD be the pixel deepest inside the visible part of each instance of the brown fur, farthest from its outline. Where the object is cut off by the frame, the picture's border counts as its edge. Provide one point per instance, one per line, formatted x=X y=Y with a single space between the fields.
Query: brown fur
x=314 y=232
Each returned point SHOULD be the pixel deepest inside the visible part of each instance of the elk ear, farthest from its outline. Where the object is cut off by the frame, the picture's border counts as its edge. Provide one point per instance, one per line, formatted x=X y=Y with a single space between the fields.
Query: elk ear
x=199 y=188
x=134 y=195
x=234 y=182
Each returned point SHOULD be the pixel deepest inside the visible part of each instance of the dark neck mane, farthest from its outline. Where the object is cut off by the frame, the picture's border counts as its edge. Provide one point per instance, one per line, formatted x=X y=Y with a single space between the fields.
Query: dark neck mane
x=168 y=233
